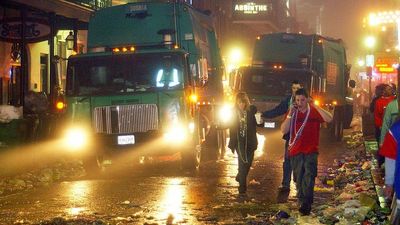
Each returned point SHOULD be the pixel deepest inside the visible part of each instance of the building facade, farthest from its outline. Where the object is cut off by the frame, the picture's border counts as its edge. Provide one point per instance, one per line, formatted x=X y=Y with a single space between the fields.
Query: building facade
x=33 y=46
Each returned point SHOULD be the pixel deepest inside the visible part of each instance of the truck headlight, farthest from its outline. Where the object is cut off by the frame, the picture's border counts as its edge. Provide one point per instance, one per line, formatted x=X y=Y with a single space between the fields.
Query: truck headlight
x=75 y=137
x=176 y=133
x=225 y=113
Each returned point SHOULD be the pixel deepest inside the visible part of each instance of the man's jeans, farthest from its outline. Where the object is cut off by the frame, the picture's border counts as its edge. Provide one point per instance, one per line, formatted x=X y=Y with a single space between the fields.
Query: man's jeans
x=287 y=168
x=305 y=168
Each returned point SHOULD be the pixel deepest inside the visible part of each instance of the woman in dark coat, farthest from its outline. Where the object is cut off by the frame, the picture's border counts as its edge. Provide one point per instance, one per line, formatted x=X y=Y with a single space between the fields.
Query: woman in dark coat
x=243 y=137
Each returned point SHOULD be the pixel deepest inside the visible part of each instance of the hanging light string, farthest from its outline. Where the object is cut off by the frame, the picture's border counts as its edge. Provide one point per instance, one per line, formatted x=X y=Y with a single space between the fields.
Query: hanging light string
x=293 y=121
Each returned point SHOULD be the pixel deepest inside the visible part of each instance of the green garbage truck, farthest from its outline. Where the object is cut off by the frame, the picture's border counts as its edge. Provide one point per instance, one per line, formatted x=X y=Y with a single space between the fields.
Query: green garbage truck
x=318 y=62
x=150 y=83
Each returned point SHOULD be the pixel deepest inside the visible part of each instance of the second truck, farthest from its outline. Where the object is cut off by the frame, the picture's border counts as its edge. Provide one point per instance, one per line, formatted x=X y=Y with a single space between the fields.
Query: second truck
x=317 y=62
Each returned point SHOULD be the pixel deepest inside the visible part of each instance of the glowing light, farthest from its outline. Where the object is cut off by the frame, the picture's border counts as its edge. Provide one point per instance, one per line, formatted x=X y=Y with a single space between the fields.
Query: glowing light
x=361 y=62
x=317 y=102
x=75 y=138
x=193 y=98
x=236 y=55
x=225 y=113
x=171 y=206
x=175 y=133
x=77 y=195
x=370 y=41
x=260 y=146
x=60 y=105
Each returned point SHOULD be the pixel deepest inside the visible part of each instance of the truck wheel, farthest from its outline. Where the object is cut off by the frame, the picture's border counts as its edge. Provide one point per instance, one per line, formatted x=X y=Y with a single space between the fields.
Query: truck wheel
x=93 y=164
x=214 y=146
x=191 y=158
x=336 y=127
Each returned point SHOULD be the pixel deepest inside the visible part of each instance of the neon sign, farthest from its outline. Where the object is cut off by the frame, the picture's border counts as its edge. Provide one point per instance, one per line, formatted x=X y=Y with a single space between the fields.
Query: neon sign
x=251 y=8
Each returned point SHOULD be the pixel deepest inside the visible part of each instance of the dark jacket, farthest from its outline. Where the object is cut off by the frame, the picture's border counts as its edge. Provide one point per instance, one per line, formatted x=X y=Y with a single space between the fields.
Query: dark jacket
x=279 y=110
x=251 y=131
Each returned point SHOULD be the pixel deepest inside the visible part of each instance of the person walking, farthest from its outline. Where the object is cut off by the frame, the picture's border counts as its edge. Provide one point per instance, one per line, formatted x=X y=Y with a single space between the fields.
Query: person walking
x=243 y=137
x=303 y=123
x=379 y=109
x=390 y=150
x=281 y=109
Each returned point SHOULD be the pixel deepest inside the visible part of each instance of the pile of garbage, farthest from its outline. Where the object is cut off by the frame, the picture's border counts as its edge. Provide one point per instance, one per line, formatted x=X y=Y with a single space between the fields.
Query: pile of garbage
x=55 y=172
x=346 y=193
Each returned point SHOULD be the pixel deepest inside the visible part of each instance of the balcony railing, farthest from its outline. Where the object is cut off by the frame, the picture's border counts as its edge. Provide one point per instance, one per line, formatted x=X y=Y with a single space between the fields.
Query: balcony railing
x=93 y=4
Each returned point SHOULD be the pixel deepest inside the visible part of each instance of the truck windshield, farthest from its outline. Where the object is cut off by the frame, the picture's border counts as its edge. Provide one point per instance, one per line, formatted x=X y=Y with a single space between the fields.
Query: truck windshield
x=119 y=74
x=271 y=83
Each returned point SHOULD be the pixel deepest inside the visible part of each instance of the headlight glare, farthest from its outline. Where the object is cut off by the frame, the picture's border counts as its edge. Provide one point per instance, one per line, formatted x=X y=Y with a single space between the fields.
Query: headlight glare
x=75 y=138
x=225 y=113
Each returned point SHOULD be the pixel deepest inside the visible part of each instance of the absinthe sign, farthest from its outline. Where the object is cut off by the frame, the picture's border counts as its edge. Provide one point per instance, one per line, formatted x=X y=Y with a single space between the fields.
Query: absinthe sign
x=251 y=10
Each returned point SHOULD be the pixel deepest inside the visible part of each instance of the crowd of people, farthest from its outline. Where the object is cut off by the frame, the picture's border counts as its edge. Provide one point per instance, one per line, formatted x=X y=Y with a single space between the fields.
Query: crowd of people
x=301 y=151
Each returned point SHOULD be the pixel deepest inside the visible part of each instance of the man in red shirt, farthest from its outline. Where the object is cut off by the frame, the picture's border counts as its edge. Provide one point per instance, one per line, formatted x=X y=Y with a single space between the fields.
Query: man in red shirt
x=303 y=123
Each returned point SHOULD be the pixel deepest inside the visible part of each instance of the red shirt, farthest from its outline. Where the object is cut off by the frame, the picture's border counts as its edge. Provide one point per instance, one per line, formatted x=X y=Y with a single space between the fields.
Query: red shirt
x=380 y=106
x=389 y=146
x=308 y=140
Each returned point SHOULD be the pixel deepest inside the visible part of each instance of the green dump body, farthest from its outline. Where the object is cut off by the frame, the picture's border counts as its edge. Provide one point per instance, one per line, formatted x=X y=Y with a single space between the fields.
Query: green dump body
x=321 y=58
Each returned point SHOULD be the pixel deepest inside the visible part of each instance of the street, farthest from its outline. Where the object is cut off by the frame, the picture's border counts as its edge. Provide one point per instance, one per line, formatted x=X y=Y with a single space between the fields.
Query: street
x=162 y=193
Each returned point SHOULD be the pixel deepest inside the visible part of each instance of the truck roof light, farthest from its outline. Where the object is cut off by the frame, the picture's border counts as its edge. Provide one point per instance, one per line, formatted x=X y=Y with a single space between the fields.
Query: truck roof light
x=132 y=49
x=115 y=50
x=124 y=49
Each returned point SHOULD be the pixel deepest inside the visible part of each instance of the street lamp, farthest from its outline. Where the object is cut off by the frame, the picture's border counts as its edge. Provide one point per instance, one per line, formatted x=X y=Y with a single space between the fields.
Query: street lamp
x=370 y=42
x=70 y=41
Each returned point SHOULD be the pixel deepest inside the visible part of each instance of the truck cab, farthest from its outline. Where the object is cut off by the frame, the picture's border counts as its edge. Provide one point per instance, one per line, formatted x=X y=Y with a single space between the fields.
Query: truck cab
x=151 y=82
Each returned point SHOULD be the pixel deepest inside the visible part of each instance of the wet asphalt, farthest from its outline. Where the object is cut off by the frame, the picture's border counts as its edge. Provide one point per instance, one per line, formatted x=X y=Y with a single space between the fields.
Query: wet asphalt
x=158 y=191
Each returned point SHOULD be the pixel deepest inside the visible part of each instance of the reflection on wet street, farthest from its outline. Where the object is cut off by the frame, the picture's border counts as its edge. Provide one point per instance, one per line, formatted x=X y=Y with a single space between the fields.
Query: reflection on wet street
x=158 y=192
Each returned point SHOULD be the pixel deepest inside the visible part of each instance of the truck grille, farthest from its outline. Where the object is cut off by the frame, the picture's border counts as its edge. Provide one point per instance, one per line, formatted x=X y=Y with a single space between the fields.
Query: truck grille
x=125 y=118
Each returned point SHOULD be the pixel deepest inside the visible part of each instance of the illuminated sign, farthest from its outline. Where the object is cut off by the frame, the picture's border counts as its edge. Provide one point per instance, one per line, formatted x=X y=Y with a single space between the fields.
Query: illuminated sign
x=385 y=63
x=251 y=8
x=34 y=30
